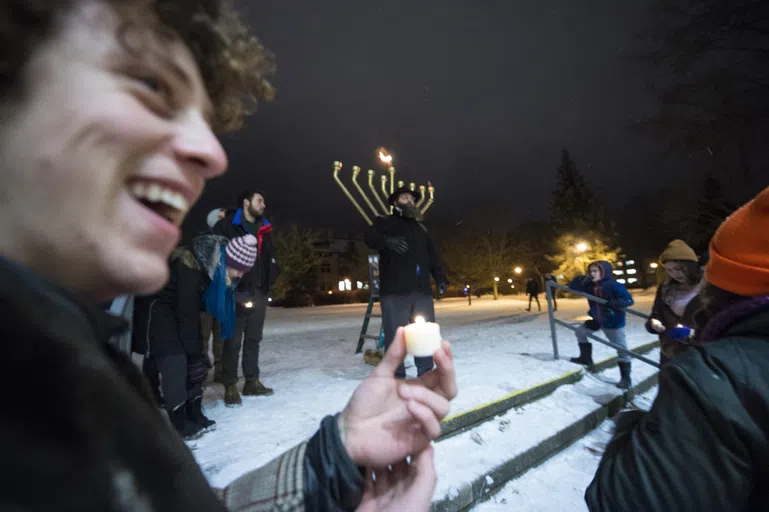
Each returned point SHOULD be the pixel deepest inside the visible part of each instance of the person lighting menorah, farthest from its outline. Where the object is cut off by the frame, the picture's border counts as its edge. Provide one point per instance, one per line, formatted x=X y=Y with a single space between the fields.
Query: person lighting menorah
x=407 y=260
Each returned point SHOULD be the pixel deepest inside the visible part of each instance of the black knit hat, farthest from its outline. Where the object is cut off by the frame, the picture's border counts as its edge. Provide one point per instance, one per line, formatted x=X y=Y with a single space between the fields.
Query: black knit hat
x=403 y=190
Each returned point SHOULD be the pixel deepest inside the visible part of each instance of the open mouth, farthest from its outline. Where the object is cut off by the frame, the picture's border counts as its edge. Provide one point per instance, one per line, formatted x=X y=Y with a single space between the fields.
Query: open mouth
x=162 y=200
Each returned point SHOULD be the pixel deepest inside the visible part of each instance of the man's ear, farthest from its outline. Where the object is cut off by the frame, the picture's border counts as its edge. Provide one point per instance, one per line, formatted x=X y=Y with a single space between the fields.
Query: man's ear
x=245 y=204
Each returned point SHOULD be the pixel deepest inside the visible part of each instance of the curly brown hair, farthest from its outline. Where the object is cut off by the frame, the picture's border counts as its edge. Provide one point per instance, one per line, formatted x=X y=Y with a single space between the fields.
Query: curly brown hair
x=234 y=65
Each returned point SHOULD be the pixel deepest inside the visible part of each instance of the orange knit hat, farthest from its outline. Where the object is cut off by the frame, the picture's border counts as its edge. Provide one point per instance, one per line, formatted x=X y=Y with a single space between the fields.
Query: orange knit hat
x=739 y=251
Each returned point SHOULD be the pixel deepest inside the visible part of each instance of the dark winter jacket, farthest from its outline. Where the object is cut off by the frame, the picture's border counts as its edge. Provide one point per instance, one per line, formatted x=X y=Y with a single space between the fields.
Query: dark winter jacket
x=409 y=272
x=168 y=322
x=532 y=287
x=665 y=314
x=85 y=435
x=608 y=289
x=265 y=271
x=704 y=445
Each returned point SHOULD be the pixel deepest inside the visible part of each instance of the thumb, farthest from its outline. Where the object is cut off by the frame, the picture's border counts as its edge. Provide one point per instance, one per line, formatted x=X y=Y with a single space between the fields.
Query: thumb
x=393 y=357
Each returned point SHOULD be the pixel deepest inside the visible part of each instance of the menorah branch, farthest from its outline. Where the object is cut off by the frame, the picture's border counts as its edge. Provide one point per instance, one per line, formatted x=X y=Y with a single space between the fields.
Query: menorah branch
x=337 y=168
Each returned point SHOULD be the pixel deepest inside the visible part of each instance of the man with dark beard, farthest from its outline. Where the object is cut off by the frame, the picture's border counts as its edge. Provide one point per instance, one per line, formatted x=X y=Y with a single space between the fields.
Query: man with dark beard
x=252 y=294
x=407 y=259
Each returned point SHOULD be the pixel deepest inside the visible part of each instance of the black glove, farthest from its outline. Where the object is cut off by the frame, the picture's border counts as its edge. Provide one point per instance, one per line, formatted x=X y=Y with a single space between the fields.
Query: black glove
x=396 y=244
x=442 y=287
x=592 y=324
x=585 y=281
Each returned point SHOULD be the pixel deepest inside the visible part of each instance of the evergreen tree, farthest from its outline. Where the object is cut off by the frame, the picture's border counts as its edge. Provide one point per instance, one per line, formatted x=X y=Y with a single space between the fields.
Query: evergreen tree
x=573 y=207
x=299 y=260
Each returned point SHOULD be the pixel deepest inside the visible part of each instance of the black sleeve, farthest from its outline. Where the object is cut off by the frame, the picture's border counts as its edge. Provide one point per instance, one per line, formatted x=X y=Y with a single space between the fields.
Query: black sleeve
x=331 y=480
x=373 y=235
x=656 y=311
x=690 y=452
x=436 y=265
x=188 y=305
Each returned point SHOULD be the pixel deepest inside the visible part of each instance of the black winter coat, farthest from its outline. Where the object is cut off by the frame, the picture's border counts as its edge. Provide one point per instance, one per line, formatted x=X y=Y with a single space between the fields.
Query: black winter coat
x=93 y=440
x=409 y=272
x=532 y=287
x=704 y=445
x=665 y=314
x=168 y=322
x=265 y=271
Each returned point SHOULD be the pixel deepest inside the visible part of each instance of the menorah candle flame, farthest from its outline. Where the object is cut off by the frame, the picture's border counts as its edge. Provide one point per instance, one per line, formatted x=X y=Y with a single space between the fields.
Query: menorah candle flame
x=422 y=338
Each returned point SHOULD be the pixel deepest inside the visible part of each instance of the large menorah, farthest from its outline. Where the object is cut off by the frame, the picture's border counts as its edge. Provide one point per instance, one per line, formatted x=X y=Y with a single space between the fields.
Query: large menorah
x=379 y=204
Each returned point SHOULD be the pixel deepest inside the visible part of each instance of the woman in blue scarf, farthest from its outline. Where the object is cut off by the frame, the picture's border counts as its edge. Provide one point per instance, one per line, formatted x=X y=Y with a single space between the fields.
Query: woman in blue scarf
x=167 y=324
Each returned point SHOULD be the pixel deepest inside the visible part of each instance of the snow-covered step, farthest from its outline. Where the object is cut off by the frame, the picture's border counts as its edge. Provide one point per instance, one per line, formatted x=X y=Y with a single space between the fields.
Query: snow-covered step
x=559 y=483
x=471 y=417
x=480 y=460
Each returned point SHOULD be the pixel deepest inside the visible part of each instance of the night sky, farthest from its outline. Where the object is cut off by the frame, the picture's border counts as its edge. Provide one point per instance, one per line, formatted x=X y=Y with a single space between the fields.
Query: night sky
x=477 y=96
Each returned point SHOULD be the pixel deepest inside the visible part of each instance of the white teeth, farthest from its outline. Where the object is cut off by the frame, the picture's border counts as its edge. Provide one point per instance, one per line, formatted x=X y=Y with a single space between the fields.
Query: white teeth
x=158 y=194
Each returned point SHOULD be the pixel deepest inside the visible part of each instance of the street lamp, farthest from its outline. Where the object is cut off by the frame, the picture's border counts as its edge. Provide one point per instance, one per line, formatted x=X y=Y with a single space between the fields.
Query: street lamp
x=496 y=279
x=654 y=265
x=518 y=270
x=510 y=281
x=582 y=247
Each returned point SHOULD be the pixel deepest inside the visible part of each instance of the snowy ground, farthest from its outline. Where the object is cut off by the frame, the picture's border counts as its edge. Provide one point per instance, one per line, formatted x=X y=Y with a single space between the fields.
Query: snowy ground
x=308 y=357
x=559 y=484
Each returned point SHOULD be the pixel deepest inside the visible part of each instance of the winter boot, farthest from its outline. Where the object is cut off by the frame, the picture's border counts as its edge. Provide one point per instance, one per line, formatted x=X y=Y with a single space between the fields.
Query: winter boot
x=256 y=388
x=187 y=429
x=624 y=372
x=232 y=396
x=195 y=413
x=585 y=355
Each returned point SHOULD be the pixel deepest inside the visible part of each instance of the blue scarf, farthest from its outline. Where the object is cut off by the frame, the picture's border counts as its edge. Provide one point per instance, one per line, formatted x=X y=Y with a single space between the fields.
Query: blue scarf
x=219 y=299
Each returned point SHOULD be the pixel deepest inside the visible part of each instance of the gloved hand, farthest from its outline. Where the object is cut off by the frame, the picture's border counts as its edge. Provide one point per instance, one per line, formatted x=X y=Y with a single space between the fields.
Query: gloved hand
x=396 y=244
x=679 y=333
x=442 y=287
x=585 y=281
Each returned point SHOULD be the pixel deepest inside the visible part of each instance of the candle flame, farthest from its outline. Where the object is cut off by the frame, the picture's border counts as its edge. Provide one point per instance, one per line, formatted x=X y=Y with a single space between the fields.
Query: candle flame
x=419 y=320
x=385 y=158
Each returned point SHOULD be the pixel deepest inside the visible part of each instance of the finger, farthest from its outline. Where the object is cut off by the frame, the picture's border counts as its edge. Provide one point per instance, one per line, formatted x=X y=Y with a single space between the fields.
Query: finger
x=400 y=470
x=383 y=480
x=437 y=403
x=423 y=469
x=368 y=484
x=427 y=420
x=446 y=376
x=393 y=357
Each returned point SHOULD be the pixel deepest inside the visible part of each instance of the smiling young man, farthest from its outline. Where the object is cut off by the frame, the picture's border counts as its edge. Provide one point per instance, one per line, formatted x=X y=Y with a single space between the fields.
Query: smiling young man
x=106 y=139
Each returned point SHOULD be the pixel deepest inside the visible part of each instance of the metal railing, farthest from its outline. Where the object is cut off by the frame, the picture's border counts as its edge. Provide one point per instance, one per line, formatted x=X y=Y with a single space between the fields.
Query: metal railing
x=549 y=285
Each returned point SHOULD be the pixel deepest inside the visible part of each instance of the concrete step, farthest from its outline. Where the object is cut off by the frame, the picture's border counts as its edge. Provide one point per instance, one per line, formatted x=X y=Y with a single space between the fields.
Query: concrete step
x=483 y=456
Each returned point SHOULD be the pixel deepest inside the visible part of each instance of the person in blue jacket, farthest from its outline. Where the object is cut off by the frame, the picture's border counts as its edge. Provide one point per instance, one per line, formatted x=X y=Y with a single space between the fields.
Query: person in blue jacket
x=609 y=318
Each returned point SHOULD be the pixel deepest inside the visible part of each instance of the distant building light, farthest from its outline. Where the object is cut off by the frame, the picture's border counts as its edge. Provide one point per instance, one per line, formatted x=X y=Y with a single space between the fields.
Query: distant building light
x=269 y=299
x=359 y=285
x=632 y=280
x=630 y=262
x=331 y=292
x=621 y=281
x=619 y=263
x=654 y=265
x=619 y=272
x=341 y=286
x=631 y=271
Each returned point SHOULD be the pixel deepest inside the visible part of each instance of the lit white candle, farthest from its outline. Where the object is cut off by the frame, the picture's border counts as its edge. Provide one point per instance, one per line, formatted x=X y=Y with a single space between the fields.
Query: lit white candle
x=422 y=338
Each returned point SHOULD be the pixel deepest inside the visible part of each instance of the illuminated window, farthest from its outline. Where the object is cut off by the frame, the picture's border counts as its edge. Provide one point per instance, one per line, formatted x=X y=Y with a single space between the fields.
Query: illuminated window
x=621 y=281
x=631 y=271
x=341 y=286
x=632 y=280
x=619 y=272
x=630 y=262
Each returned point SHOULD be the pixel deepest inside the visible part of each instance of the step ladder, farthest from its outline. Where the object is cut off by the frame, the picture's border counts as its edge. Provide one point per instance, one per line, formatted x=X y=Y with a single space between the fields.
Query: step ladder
x=373 y=268
x=364 y=335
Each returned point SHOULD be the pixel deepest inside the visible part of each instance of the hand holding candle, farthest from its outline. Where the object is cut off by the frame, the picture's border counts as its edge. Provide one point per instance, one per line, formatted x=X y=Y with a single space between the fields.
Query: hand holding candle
x=422 y=338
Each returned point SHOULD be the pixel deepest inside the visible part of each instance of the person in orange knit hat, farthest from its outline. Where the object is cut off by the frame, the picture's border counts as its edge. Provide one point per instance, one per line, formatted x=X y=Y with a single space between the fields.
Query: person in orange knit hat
x=704 y=443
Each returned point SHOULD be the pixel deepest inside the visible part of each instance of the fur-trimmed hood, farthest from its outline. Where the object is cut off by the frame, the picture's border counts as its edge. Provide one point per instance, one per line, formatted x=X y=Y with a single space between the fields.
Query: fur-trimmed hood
x=204 y=253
